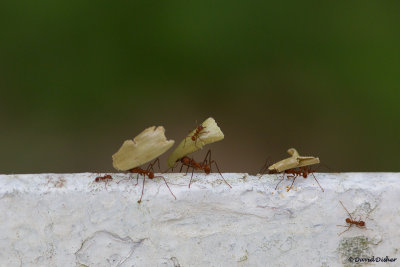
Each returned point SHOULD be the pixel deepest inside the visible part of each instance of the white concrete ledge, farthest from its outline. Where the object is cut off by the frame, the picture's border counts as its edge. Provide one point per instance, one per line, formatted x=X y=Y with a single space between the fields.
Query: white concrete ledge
x=69 y=220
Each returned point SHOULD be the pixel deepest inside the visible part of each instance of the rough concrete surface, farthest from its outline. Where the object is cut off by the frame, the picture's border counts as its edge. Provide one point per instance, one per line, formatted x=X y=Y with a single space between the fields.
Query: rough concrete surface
x=70 y=220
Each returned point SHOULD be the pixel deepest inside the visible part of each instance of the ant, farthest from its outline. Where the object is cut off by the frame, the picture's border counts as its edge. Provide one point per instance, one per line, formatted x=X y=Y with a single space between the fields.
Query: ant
x=149 y=172
x=301 y=171
x=199 y=130
x=204 y=166
x=351 y=222
x=294 y=173
x=105 y=179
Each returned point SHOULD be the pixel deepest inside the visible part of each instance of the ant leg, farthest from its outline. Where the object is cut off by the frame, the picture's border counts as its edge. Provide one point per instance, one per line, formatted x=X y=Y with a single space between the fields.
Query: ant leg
x=150 y=166
x=181 y=167
x=283 y=178
x=219 y=171
x=205 y=161
x=188 y=166
x=154 y=162
x=346 y=210
x=317 y=182
x=191 y=177
x=137 y=179
x=348 y=228
x=144 y=180
x=294 y=179
x=176 y=164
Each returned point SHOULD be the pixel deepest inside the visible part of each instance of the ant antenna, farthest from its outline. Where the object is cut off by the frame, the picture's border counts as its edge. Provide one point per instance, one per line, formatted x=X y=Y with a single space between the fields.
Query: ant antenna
x=264 y=168
x=346 y=210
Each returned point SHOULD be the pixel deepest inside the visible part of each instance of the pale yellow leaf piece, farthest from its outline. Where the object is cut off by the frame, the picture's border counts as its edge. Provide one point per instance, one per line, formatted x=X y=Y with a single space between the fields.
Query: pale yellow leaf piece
x=294 y=161
x=145 y=147
x=284 y=164
x=305 y=161
x=210 y=134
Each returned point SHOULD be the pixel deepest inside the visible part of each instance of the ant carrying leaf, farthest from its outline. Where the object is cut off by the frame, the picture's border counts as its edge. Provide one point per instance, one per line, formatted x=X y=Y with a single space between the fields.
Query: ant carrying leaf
x=149 y=172
x=293 y=167
x=204 y=166
x=206 y=133
x=145 y=147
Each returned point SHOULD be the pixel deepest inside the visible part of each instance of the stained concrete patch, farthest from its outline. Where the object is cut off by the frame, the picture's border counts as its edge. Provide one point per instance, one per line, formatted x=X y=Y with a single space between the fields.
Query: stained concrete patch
x=105 y=249
x=353 y=249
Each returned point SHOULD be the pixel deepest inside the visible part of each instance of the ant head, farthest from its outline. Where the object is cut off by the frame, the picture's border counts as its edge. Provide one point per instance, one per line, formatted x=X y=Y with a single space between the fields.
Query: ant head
x=151 y=175
x=348 y=220
x=193 y=138
x=361 y=223
x=97 y=179
x=207 y=169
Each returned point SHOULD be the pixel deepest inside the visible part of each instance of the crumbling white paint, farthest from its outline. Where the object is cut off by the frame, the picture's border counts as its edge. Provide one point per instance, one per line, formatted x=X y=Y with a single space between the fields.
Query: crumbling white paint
x=69 y=220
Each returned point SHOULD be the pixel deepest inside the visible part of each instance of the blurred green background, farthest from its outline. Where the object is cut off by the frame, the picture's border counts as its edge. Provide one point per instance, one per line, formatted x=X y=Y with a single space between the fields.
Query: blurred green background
x=78 y=78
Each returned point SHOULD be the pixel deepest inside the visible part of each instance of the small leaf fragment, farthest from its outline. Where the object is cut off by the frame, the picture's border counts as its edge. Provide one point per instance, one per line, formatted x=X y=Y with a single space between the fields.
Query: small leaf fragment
x=284 y=164
x=210 y=134
x=148 y=145
x=294 y=161
x=305 y=161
